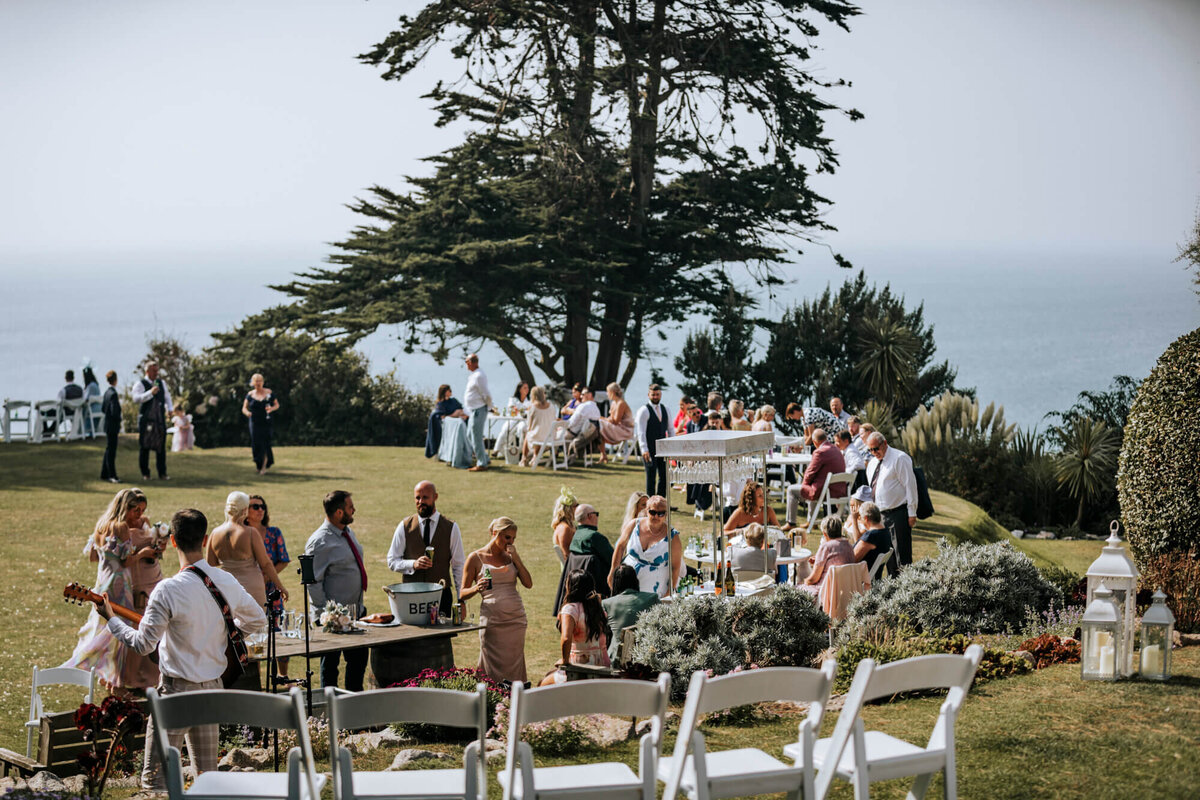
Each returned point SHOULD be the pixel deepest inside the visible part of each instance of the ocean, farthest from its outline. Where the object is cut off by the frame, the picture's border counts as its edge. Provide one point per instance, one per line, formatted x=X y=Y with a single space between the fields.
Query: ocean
x=1029 y=330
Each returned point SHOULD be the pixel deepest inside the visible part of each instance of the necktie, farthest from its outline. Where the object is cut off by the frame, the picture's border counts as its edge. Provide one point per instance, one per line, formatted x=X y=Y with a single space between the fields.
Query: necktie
x=357 y=557
x=426 y=522
x=875 y=477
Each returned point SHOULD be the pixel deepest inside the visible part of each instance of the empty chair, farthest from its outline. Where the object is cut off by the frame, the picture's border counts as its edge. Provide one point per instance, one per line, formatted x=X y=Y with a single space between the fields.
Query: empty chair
x=224 y=706
x=876 y=756
x=58 y=676
x=745 y=770
x=520 y=779
x=385 y=706
x=880 y=563
x=17 y=421
x=825 y=501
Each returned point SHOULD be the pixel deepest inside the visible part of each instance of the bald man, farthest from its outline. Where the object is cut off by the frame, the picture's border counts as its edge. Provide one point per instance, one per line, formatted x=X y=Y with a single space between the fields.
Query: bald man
x=424 y=532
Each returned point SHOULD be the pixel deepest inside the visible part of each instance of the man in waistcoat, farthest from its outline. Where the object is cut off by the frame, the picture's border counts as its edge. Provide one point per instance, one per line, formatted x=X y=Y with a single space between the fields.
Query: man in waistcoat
x=651 y=425
x=153 y=398
x=427 y=547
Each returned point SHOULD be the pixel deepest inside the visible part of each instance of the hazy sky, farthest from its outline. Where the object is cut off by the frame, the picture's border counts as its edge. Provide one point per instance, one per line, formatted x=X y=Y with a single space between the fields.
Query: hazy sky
x=146 y=127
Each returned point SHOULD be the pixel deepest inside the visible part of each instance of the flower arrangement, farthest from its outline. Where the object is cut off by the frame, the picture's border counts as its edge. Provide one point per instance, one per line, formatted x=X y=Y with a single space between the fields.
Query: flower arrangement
x=335 y=618
x=160 y=535
x=106 y=728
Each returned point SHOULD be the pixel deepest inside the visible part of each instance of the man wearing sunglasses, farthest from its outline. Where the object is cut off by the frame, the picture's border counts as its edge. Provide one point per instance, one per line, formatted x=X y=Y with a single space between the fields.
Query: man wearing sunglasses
x=894 y=486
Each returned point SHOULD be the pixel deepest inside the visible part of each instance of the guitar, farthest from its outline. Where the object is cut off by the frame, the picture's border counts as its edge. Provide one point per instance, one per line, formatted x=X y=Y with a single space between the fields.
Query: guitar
x=78 y=593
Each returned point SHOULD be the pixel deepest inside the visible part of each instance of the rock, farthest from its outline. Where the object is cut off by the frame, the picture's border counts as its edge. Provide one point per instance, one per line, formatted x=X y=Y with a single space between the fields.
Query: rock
x=610 y=730
x=8 y=784
x=1188 y=639
x=643 y=726
x=125 y=781
x=1028 y=656
x=492 y=744
x=46 y=782
x=493 y=755
x=406 y=757
x=1018 y=534
x=359 y=743
x=1046 y=535
x=241 y=757
x=76 y=784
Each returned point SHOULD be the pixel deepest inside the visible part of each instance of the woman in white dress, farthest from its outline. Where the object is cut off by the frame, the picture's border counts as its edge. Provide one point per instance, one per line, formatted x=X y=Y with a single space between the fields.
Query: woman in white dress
x=539 y=424
x=652 y=548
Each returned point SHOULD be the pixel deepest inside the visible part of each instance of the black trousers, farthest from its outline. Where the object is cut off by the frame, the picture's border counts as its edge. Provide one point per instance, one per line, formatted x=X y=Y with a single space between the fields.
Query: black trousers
x=160 y=460
x=260 y=444
x=108 y=467
x=656 y=467
x=896 y=521
x=356 y=668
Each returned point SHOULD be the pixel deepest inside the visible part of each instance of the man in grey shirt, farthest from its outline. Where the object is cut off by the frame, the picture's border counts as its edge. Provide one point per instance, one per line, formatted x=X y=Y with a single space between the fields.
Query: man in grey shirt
x=340 y=576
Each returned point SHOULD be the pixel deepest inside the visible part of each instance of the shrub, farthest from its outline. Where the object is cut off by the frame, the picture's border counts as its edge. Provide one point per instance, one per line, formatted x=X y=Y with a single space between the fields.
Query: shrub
x=897 y=646
x=1049 y=649
x=459 y=679
x=318 y=736
x=704 y=632
x=966 y=589
x=1072 y=585
x=1179 y=576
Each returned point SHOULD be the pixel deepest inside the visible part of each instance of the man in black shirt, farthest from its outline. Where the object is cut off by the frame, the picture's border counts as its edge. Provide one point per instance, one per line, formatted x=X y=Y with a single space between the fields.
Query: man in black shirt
x=111 y=406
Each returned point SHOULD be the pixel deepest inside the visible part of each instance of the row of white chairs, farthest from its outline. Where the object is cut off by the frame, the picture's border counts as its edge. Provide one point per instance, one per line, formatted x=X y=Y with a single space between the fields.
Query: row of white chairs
x=70 y=419
x=555 y=449
x=806 y=768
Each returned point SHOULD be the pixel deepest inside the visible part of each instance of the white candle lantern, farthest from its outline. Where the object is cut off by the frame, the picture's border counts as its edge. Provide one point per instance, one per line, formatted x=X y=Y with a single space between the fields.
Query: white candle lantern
x=1115 y=570
x=1103 y=643
x=1158 y=626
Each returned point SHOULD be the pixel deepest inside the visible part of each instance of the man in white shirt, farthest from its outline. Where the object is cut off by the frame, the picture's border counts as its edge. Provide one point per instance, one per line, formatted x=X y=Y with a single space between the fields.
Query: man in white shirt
x=854 y=460
x=650 y=425
x=839 y=411
x=184 y=621
x=894 y=487
x=422 y=533
x=476 y=400
x=583 y=427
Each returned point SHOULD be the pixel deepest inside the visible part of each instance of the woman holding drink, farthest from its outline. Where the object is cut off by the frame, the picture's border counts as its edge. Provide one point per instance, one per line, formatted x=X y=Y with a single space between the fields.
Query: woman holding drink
x=493 y=571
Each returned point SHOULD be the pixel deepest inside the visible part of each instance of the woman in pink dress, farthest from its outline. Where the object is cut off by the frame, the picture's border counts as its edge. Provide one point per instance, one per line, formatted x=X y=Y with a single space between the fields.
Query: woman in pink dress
x=617 y=427
x=583 y=626
x=833 y=552
x=493 y=572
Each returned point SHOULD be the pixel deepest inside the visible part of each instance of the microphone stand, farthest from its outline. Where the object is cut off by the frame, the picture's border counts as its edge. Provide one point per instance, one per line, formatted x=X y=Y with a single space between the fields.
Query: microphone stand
x=272 y=669
x=307 y=579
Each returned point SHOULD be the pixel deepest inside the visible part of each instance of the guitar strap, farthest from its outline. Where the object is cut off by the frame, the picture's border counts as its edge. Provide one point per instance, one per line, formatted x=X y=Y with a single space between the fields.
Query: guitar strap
x=236 y=657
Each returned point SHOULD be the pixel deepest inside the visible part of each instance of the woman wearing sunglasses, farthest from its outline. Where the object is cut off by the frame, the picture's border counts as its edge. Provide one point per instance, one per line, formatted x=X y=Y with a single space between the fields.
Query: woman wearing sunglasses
x=653 y=550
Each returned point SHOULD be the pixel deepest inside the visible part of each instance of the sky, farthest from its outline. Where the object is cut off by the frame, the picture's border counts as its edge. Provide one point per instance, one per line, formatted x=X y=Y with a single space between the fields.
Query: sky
x=204 y=150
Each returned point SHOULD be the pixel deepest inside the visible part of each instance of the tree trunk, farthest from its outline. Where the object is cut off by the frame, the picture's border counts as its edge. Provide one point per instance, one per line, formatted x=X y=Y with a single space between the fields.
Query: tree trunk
x=1079 y=516
x=517 y=356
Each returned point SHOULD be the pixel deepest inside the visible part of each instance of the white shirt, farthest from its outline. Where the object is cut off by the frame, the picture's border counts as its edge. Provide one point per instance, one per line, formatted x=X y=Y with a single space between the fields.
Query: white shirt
x=477 y=394
x=398 y=563
x=642 y=418
x=182 y=614
x=844 y=416
x=853 y=458
x=582 y=413
x=141 y=395
x=897 y=484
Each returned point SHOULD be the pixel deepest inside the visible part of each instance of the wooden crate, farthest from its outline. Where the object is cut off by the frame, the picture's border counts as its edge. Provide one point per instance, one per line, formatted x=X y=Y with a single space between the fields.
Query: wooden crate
x=59 y=742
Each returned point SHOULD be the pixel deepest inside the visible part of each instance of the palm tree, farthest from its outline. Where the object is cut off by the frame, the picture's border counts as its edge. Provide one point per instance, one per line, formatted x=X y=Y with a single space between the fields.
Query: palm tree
x=889 y=351
x=1086 y=467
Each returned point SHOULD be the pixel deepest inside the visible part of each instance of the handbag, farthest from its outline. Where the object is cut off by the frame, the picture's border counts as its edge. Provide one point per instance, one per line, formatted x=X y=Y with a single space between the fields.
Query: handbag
x=236 y=657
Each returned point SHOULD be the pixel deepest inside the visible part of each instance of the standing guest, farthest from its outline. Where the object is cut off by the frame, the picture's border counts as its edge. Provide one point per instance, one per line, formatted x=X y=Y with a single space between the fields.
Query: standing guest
x=590 y=547
x=820 y=418
x=792 y=423
x=259 y=405
x=421 y=532
x=617 y=427
x=681 y=418
x=340 y=576
x=833 y=552
x=145 y=572
x=562 y=520
x=764 y=419
x=854 y=426
x=446 y=406
x=652 y=548
x=238 y=548
x=844 y=442
x=627 y=603
x=716 y=402
x=876 y=540
x=91 y=391
x=864 y=433
x=184 y=438
x=539 y=424
x=502 y=614
x=894 y=487
x=111 y=406
x=650 y=426
x=573 y=403
x=477 y=399
x=259 y=518
x=153 y=400
x=635 y=507
x=826 y=460
x=737 y=416
x=693 y=420
x=583 y=627
x=520 y=401
x=755 y=555
x=110 y=545
x=752 y=507
x=836 y=408
x=715 y=421
x=186 y=622
x=853 y=528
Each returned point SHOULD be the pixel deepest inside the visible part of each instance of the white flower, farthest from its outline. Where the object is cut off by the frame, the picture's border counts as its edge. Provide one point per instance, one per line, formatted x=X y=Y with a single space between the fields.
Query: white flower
x=325 y=618
x=343 y=620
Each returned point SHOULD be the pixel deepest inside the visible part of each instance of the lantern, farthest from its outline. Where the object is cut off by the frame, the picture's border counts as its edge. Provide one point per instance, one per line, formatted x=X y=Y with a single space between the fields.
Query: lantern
x=1116 y=570
x=1158 y=628
x=1103 y=642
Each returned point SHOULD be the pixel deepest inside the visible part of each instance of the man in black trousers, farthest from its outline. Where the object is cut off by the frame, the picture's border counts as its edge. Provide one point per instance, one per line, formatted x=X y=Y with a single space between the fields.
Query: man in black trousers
x=111 y=406
x=652 y=424
x=154 y=400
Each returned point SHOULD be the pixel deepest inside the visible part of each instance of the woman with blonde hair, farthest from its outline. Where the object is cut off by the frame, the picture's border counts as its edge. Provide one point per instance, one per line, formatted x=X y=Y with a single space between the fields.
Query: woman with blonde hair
x=737 y=416
x=239 y=549
x=562 y=520
x=617 y=427
x=259 y=405
x=764 y=419
x=112 y=546
x=539 y=424
x=635 y=507
x=752 y=507
x=493 y=571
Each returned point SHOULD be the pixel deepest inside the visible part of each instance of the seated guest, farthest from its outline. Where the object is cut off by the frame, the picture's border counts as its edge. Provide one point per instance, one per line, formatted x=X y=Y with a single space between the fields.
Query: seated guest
x=573 y=403
x=583 y=627
x=852 y=529
x=715 y=402
x=446 y=406
x=833 y=552
x=737 y=416
x=693 y=420
x=682 y=417
x=855 y=428
x=72 y=391
x=755 y=555
x=850 y=455
x=715 y=421
x=625 y=606
x=583 y=427
x=764 y=420
x=617 y=427
x=864 y=432
x=826 y=460
x=539 y=424
x=876 y=540
x=521 y=399
x=752 y=507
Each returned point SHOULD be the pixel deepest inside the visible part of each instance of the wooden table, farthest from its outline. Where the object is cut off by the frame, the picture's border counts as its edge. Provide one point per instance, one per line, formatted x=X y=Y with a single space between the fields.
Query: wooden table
x=321 y=643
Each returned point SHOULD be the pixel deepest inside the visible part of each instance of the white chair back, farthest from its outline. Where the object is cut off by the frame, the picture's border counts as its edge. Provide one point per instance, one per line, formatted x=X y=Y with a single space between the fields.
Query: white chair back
x=848 y=723
x=73 y=413
x=17 y=414
x=44 y=412
x=880 y=563
x=56 y=676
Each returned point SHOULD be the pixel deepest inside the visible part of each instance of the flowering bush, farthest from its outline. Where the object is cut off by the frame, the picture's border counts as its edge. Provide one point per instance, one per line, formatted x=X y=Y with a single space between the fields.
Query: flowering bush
x=462 y=680
x=1049 y=649
x=107 y=727
x=318 y=736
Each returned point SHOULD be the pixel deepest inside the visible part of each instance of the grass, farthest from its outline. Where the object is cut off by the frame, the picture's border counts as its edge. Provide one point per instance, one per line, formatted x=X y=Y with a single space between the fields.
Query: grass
x=50 y=497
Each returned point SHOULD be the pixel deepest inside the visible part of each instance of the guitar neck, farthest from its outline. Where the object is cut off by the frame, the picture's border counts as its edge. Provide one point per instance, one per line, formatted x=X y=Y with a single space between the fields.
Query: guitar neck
x=126 y=614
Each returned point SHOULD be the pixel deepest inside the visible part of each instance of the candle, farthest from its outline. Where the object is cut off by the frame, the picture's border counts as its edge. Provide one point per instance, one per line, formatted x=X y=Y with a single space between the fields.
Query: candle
x=1152 y=660
x=1108 y=659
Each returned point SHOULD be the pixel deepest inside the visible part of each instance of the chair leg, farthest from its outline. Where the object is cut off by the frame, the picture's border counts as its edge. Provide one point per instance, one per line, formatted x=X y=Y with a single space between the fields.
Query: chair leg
x=862 y=784
x=950 y=783
x=920 y=786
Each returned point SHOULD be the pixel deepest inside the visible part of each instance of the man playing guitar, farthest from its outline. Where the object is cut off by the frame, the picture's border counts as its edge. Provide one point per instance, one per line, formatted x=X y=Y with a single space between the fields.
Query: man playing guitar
x=184 y=621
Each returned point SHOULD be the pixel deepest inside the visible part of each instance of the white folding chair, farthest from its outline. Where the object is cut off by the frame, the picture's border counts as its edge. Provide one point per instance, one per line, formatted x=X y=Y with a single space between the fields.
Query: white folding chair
x=71 y=425
x=830 y=504
x=95 y=418
x=880 y=563
x=233 y=707
x=58 y=676
x=839 y=587
x=385 y=706
x=17 y=413
x=623 y=698
x=748 y=770
x=876 y=756
x=44 y=412
x=555 y=444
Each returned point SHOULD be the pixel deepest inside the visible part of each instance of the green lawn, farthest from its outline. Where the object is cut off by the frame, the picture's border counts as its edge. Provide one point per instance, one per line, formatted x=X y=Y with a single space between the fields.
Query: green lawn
x=1026 y=736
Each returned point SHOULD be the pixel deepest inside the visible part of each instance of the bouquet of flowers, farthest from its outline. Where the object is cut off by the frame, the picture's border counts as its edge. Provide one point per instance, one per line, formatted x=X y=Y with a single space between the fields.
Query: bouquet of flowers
x=335 y=618
x=161 y=535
